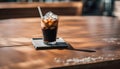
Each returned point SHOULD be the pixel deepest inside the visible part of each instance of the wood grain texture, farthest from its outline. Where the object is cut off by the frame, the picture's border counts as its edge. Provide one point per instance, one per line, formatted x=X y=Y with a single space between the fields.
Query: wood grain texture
x=95 y=43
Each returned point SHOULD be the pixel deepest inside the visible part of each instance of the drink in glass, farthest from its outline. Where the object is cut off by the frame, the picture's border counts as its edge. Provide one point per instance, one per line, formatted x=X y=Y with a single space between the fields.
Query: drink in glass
x=49 y=25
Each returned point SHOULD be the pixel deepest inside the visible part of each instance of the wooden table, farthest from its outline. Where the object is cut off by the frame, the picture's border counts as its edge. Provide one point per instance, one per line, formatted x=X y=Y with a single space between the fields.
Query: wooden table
x=95 y=43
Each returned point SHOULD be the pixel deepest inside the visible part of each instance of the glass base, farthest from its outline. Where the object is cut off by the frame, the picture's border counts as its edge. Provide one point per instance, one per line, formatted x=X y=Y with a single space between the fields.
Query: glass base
x=50 y=43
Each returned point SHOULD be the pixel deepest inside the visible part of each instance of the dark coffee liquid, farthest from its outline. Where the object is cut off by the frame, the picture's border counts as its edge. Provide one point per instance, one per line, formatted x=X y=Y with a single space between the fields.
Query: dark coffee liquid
x=49 y=34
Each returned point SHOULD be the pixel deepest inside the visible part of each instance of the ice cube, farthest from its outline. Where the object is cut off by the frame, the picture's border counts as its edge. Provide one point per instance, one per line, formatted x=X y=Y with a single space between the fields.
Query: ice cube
x=50 y=15
x=54 y=17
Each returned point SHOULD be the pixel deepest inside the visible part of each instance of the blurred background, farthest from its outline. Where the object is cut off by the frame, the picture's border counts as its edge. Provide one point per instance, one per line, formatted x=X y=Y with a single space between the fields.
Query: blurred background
x=37 y=0
x=28 y=8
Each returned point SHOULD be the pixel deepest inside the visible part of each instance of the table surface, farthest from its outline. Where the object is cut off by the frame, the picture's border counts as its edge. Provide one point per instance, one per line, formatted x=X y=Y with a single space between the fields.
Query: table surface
x=92 y=39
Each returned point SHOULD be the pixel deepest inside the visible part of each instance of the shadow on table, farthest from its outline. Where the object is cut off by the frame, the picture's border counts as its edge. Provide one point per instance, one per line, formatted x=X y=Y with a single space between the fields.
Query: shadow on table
x=113 y=64
x=84 y=50
x=68 y=47
x=15 y=45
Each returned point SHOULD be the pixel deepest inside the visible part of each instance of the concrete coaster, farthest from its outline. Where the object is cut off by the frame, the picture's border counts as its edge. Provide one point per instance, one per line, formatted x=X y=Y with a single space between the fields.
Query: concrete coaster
x=38 y=44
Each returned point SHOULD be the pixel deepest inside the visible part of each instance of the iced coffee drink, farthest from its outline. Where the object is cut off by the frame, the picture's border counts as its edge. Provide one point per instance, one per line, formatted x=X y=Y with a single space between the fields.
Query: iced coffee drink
x=49 y=25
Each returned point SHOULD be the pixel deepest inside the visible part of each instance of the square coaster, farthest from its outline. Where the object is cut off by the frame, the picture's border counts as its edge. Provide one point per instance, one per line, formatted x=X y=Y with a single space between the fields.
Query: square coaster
x=38 y=44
